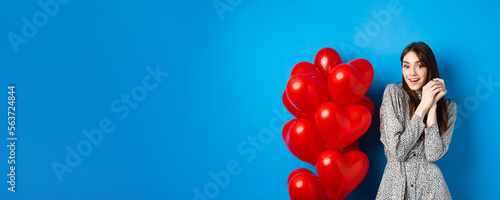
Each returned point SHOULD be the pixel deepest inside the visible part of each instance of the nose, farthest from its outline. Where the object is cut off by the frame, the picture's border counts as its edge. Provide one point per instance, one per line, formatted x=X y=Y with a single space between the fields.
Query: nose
x=413 y=70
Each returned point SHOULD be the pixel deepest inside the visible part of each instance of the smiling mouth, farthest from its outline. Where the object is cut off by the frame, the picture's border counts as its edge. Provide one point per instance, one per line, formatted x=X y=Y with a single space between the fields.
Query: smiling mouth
x=414 y=80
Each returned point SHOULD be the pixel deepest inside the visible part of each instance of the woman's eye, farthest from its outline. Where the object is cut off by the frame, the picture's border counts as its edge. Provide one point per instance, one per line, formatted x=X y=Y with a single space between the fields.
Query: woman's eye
x=405 y=66
x=420 y=66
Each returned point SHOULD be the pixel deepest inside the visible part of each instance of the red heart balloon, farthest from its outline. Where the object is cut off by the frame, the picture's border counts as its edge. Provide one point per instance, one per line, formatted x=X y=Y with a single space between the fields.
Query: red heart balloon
x=341 y=173
x=305 y=185
x=367 y=103
x=364 y=68
x=298 y=171
x=348 y=83
x=286 y=128
x=326 y=59
x=352 y=146
x=292 y=109
x=307 y=68
x=304 y=141
x=306 y=93
x=341 y=126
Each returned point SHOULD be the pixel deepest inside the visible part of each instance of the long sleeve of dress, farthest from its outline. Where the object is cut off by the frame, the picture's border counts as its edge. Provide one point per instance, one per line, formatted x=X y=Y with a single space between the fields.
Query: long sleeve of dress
x=398 y=140
x=436 y=145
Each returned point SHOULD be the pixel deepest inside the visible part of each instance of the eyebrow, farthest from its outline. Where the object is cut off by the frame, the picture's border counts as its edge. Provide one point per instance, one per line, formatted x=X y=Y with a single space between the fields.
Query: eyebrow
x=418 y=61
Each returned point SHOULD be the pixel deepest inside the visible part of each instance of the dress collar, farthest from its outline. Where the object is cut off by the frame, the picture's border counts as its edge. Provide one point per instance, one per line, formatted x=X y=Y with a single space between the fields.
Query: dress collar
x=419 y=95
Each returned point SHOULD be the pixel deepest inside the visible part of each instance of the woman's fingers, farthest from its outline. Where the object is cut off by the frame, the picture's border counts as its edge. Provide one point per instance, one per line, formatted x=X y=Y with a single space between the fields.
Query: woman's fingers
x=429 y=86
x=430 y=83
x=436 y=86
x=441 y=81
x=442 y=88
x=435 y=91
x=441 y=92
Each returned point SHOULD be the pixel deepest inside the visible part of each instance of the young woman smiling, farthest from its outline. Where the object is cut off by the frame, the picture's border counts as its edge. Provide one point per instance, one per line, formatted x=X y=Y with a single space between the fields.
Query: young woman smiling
x=416 y=126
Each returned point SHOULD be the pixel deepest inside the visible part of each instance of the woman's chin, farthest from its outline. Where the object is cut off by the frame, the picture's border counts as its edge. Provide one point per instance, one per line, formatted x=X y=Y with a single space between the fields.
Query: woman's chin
x=414 y=87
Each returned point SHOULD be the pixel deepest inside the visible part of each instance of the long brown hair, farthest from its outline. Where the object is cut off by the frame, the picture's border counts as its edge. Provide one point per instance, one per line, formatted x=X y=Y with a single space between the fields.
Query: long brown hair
x=426 y=57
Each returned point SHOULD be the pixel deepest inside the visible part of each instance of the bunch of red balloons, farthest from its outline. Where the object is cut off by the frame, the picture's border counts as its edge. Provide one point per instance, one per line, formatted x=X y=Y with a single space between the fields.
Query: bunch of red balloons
x=328 y=100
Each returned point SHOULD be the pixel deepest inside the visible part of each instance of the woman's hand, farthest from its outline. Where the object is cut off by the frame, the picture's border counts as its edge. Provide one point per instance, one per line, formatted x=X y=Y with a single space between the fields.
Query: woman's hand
x=429 y=93
x=441 y=90
x=432 y=92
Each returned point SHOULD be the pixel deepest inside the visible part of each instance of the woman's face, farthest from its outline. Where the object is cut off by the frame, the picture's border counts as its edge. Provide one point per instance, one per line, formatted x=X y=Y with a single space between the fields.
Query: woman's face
x=414 y=72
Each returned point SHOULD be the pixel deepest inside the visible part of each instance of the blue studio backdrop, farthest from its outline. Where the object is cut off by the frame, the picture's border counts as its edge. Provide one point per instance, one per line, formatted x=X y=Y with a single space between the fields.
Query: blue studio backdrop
x=182 y=99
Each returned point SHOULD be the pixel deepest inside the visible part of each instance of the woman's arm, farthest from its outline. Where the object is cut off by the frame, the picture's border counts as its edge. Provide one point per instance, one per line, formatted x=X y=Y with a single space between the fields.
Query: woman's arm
x=436 y=145
x=397 y=139
x=432 y=116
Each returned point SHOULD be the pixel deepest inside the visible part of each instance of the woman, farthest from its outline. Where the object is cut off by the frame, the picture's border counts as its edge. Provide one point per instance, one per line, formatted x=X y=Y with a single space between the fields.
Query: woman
x=416 y=125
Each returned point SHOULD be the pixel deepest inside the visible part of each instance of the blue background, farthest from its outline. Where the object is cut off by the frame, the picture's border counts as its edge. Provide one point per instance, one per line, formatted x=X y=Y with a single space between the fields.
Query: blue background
x=226 y=74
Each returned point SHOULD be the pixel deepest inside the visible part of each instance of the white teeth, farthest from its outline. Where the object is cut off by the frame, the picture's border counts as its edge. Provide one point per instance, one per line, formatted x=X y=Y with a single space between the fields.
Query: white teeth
x=413 y=79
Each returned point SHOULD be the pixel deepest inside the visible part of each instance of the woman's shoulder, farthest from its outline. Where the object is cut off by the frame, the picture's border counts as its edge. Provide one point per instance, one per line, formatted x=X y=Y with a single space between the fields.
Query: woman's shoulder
x=394 y=92
x=393 y=89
